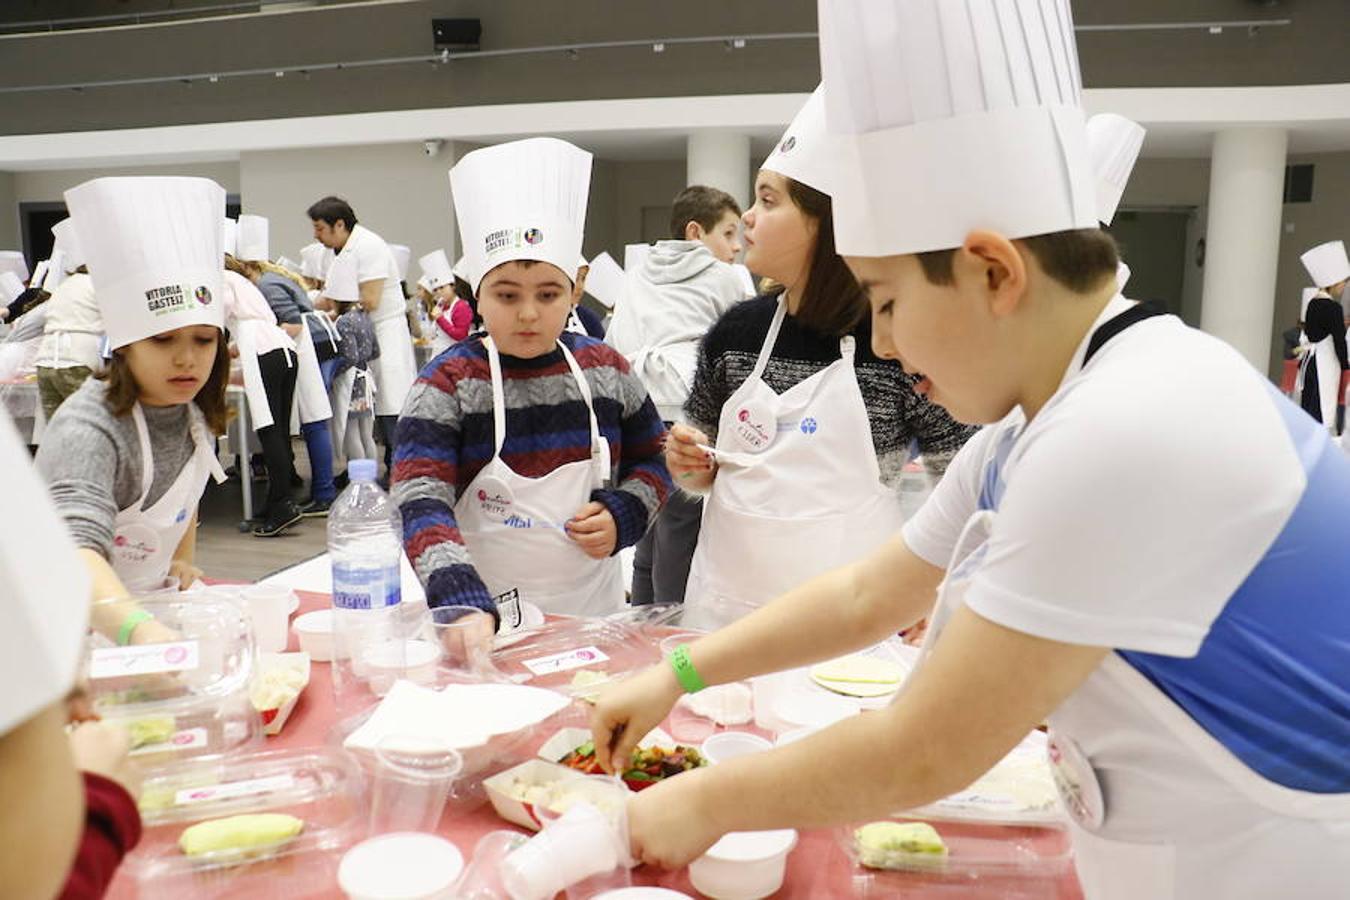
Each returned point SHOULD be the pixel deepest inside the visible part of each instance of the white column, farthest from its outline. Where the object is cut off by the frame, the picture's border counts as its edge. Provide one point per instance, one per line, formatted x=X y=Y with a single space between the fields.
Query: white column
x=720 y=159
x=1242 y=240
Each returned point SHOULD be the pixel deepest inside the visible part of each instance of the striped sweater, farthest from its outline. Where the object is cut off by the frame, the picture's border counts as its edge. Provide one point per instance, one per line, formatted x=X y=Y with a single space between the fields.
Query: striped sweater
x=445 y=438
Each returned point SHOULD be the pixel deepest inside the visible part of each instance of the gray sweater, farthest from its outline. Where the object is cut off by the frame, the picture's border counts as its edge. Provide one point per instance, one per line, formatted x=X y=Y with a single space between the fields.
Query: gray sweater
x=91 y=461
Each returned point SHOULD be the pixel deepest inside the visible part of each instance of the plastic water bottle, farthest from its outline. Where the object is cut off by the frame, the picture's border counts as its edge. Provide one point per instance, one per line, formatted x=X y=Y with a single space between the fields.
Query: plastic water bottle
x=364 y=546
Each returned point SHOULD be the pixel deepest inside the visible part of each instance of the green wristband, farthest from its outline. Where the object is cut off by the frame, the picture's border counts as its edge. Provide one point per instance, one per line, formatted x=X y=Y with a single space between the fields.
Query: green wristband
x=130 y=624
x=685 y=673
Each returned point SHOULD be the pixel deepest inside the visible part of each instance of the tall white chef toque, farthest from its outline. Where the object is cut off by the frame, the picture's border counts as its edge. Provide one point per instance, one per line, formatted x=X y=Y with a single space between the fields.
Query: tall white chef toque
x=402 y=259
x=1327 y=263
x=1115 y=142
x=436 y=270
x=251 y=239
x=807 y=153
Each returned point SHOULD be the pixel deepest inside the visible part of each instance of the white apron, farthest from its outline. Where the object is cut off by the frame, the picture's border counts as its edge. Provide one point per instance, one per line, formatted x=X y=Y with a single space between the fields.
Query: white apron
x=798 y=491
x=1328 y=378
x=144 y=540
x=395 y=368
x=1159 y=808
x=311 y=399
x=246 y=338
x=343 y=384
x=513 y=525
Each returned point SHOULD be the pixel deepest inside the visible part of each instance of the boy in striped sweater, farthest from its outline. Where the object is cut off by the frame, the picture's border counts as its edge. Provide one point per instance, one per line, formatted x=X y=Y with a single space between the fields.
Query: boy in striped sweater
x=526 y=457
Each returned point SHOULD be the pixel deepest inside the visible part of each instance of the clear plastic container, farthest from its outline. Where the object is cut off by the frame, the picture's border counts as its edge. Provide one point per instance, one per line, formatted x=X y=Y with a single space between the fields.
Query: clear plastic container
x=974 y=850
x=184 y=698
x=1018 y=790
x=578 y=656
x=321 y=788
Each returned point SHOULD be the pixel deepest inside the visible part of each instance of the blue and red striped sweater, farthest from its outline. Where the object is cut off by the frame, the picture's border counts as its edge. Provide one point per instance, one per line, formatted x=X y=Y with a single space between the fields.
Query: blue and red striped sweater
x=445 y=437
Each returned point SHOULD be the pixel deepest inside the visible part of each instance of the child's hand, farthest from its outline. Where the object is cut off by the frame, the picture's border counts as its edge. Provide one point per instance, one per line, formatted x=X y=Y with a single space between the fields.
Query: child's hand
x=184 y=573
x=689 y=465
x=102 y=748
x=594 y=530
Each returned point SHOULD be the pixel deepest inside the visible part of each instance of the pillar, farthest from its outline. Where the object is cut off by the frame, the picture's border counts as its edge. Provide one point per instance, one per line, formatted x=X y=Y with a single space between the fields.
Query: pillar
x=720 y=159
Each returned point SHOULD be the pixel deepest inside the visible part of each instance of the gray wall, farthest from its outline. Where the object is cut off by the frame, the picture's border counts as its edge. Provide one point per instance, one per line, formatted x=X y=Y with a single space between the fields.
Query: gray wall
x=9 y=213
x=49 y=186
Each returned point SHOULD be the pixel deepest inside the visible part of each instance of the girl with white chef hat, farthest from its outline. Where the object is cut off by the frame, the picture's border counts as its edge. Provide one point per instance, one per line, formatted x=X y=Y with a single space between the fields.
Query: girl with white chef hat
x=128 y=455
x=808 y=430
x=1106 y=559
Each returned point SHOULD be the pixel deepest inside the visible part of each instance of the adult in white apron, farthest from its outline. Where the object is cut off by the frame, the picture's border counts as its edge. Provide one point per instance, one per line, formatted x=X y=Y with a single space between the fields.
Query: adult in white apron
x=1133 y=767
x=798 y=490
x=514 y=526
x=395 y=369
x=144 y=539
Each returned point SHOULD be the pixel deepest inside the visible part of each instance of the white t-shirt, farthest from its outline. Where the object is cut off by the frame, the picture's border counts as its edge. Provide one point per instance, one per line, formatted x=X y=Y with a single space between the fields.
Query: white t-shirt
x=1137 y=501
x=45 y=589
x=374 y=260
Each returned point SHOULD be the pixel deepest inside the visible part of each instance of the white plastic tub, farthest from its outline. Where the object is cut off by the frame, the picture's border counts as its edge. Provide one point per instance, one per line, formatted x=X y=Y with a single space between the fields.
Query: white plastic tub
x=743 y=865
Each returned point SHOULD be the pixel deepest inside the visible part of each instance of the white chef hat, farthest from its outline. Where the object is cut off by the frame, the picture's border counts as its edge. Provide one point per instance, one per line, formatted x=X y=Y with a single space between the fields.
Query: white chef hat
x=806 y=152
x=251 y=244
x=10 y=288
x=315 y=259
x=956 y=115
x=340 y=284
x=460 y=269
x=1122 y=275
x=153 y=246
x=288 y=264
x=1115 y=142
x=1327 y=263
x=402 y=257
x=229 y=236
x=68 y=242
x=436 y=270
x=13 y=261
x=1308 y=295
x=53 y=271
x=46 y=592
x=521 y=200
x=605 y=280
x=634 y=255
x=425 y=283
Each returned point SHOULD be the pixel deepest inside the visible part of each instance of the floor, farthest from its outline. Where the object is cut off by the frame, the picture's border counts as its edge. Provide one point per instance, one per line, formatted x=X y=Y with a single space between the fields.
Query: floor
x=226 y=553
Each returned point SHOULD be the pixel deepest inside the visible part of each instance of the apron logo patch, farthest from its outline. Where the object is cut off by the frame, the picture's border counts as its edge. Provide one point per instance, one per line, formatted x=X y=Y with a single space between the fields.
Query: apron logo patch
x=132 y=550
x=514 y=521
x=494 y=504
x=788 y=143
x=752 y=433
x=809 y=425
x=533 y=236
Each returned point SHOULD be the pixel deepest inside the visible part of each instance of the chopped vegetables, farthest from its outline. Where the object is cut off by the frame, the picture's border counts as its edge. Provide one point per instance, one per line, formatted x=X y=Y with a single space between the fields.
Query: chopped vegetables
x=647 y=765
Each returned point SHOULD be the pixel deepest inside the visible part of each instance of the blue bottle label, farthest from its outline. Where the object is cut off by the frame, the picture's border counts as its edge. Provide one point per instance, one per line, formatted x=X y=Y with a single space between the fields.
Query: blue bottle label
x=364 y=587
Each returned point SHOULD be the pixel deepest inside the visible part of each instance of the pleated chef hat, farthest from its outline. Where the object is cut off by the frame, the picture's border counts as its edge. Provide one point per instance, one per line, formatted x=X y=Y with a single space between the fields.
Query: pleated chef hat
x=53 y=271
x=39 y=273
x=153 y=246
x=436 y=269
x=315 y=259
x=1115 y=142
x=68 y=242
x=806 y=152
x=521 y=200
x=956 y=115
x=402 y=257
x=229 y=236
x=605 y=281
x=13 y=261
x=10 y=288
x=251 y=244
x=288 y=264
x=1327 y=263
x=341 y=284
x=459 y=270
x=1308 y=295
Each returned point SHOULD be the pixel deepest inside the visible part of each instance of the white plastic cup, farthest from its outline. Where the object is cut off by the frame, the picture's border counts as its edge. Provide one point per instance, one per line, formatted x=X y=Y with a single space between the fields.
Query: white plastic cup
x=578 y=852
x=464 y=637
x=730 y=744
x=269 y=609
x=412 y=779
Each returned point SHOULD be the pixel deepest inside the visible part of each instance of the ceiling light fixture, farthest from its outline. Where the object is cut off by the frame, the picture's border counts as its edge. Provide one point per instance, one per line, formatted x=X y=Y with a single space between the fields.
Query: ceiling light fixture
x=658 y=47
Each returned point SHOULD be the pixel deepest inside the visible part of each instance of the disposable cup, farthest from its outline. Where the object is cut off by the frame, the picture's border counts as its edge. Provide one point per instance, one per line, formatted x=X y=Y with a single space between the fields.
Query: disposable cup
x=269 y=609
x=400 y=866
x=464 y=636
x=412 y=778
x=578 y=851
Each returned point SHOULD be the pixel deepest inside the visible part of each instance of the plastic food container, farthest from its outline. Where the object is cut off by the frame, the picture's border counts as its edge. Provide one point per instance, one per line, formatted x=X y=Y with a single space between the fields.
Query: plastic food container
x=554 y=657
x=505 y=795
x=731 y=744
x=184 y=698
x=413 y=660
x=321 y=788
x=1018 y=790
x=400 y=866
x=267 y=688
x=315 y=632
x=973 y=850
x=743 y=865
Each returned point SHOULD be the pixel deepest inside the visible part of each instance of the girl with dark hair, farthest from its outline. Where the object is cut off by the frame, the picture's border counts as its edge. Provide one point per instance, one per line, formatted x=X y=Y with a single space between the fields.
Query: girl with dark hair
x=794 y=428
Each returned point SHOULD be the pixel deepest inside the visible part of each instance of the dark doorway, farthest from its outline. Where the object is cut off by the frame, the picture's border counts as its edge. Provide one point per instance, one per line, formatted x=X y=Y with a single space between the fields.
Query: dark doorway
x=1153 y=244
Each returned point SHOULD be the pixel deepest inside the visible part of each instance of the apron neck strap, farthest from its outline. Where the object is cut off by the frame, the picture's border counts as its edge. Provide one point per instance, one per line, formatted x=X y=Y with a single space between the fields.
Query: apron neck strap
x=147 y=459
x=1116 y=324
x=326 y=325
x=766 y=351
x=498 y=397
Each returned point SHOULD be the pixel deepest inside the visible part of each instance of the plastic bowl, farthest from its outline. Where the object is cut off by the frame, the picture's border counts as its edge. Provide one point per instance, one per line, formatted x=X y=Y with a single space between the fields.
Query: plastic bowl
x=731 y=744
x=743 y=865
x=315 y=632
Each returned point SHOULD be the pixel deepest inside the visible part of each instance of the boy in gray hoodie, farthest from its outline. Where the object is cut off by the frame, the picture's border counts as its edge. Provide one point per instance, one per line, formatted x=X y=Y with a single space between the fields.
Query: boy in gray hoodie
x=683 y=286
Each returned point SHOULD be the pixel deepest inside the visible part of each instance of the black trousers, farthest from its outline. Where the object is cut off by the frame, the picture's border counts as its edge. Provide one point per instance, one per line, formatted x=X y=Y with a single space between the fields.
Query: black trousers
x=278 y=375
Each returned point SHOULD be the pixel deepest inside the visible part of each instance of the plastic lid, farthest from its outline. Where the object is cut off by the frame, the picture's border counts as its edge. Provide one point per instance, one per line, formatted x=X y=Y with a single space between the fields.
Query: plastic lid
x=400 y=866
x=362 y=469
x=752 y=846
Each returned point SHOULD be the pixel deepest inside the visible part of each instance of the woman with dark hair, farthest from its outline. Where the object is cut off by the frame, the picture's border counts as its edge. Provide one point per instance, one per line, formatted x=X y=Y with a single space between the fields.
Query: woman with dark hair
x=794 y=428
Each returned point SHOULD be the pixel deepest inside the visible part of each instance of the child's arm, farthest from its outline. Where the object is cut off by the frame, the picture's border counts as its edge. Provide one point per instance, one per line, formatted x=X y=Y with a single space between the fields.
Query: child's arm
x=461 y=320
x=644 y=482
x=423 y=484
x=183 y=569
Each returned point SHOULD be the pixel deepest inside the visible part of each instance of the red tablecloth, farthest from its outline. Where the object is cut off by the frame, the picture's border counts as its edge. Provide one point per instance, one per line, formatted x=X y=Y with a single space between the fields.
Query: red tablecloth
x=818 y=867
